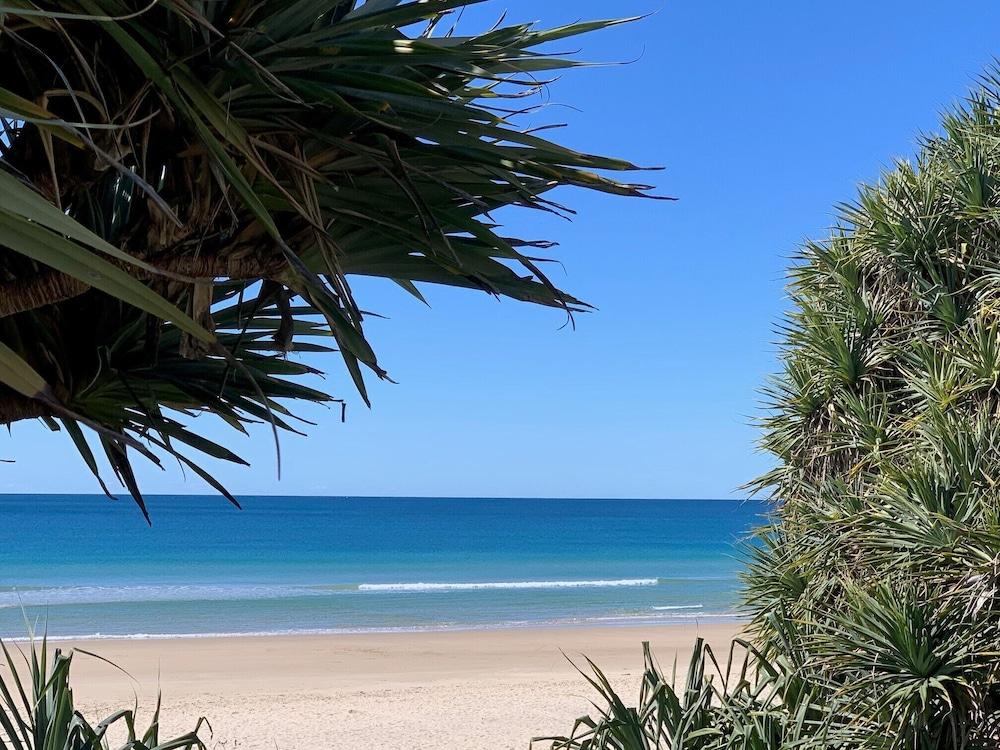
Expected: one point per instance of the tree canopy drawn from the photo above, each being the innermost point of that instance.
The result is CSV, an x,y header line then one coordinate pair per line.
x,y
880,582
188,188
874,591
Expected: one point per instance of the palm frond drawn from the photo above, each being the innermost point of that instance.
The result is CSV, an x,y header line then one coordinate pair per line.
x,y
186,203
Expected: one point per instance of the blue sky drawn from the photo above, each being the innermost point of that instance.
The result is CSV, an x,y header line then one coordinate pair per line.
x,y
765,116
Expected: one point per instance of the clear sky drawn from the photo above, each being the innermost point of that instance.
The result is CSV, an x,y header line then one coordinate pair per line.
x,y
765,116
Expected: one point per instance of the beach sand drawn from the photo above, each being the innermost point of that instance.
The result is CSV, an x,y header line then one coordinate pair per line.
x,y
467,690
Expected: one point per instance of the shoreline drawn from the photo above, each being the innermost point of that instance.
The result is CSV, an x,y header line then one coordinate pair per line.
x,y
639,622
468,689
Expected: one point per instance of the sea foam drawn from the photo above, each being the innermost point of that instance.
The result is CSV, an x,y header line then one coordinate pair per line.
x,y
473,586
73,595
671,607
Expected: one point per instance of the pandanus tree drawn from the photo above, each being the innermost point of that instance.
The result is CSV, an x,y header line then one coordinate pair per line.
x,y
874,593
189,187
883,573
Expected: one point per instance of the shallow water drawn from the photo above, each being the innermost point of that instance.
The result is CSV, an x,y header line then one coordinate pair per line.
x,y
87,566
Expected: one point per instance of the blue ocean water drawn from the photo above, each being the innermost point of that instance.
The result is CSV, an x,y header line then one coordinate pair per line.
x,y
88,566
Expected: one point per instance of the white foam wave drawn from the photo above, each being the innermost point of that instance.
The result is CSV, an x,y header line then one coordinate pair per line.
x,y
12,598
622,620
63,595
672,607
475,586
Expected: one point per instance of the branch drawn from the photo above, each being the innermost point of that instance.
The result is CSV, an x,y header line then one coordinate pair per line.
x,y
14,407
50,287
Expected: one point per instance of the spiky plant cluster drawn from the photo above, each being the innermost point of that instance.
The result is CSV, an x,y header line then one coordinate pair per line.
x,y
885,557
187,189
37,710
749,702
875,592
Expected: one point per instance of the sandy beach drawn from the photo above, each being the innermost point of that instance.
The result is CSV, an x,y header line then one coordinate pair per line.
x,y
475,690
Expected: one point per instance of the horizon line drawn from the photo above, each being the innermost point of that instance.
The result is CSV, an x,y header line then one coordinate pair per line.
x,y
4,494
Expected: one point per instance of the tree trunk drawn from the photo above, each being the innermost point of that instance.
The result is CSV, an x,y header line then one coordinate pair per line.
x,y
44,289
15,407
49,287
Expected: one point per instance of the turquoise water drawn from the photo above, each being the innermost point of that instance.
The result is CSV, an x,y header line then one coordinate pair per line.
x,y
88,566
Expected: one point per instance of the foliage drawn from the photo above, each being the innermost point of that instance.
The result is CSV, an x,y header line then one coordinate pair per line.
x,y
750,704
876,588
38,714
188,188
886,550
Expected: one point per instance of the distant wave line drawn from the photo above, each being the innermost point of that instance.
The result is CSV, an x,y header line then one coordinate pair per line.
x,y
31,596
608,620
672,607
81,595
481,585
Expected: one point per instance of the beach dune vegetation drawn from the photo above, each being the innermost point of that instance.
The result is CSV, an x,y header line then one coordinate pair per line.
x,y
747,702
37,711
876,587
886,548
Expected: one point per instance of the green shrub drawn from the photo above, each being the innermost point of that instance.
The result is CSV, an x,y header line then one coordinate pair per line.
x,y
750,703
886,548
37,713
876,589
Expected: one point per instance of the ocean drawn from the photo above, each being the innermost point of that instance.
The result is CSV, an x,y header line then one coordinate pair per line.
x,y
83,565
